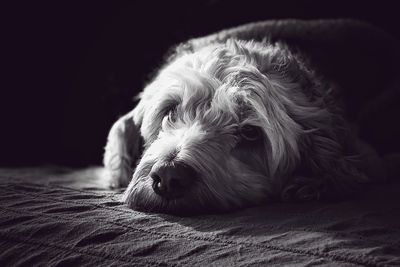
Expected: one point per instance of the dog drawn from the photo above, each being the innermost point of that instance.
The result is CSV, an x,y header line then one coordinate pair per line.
x,y
232,124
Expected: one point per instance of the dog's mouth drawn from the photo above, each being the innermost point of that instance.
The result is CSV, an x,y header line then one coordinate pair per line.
x,y
143,197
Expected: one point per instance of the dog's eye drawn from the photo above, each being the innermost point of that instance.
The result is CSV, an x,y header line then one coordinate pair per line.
x,y
172,114
250,133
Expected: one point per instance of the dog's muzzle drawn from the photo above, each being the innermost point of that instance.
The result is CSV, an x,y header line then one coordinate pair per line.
x,y
172,180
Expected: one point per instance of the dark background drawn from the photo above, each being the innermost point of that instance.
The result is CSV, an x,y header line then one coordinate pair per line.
x,y
71,68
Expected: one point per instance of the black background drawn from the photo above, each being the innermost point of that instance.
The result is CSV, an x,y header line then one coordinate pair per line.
x,y
71,68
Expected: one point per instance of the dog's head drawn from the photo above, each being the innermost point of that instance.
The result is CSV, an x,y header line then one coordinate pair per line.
x,y
221,127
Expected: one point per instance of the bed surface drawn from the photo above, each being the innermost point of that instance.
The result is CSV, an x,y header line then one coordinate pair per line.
x,y
62,217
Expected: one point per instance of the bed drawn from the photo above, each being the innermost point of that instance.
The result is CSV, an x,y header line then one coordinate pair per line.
x,y
57,216
63,217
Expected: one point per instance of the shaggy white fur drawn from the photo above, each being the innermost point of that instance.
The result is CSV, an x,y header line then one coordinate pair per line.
x,y
250,119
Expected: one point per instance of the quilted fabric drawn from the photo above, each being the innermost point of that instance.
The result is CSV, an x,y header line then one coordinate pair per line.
x,y
57,217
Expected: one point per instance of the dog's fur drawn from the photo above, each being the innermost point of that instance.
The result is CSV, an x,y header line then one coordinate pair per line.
x,y
197,111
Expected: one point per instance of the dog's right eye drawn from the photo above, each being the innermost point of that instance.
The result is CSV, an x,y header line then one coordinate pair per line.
x,y
172,114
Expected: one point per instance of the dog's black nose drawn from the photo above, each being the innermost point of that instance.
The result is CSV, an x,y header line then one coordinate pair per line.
x,y
171,181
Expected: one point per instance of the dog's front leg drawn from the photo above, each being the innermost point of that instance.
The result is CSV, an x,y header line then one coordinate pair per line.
x,y
121,151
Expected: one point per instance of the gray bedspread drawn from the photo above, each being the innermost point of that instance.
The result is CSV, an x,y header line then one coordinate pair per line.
x,y
61,217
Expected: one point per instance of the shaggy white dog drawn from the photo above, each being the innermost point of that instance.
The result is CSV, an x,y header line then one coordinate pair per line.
x,y
232,124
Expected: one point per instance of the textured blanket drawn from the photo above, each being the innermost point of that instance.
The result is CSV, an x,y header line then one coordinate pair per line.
x,y
57,217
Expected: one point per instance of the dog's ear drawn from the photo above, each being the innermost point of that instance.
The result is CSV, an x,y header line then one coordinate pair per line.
x,y
331,164
123,148
309,129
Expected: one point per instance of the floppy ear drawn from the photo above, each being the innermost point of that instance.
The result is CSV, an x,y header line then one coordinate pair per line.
x,y
312,130
331,164
122,150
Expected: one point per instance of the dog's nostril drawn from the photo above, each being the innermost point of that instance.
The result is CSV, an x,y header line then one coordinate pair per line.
x,y
157,185
156,178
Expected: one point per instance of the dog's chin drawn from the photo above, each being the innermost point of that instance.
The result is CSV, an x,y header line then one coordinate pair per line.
x,y
181,207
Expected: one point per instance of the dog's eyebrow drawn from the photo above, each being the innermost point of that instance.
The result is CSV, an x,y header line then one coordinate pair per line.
x,y
168,104
194,89
169,97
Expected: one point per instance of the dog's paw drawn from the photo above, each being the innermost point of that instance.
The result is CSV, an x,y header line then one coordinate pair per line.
x,y
121,151
118,173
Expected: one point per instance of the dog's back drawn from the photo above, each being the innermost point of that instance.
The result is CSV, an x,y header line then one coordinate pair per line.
x,y
360,58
